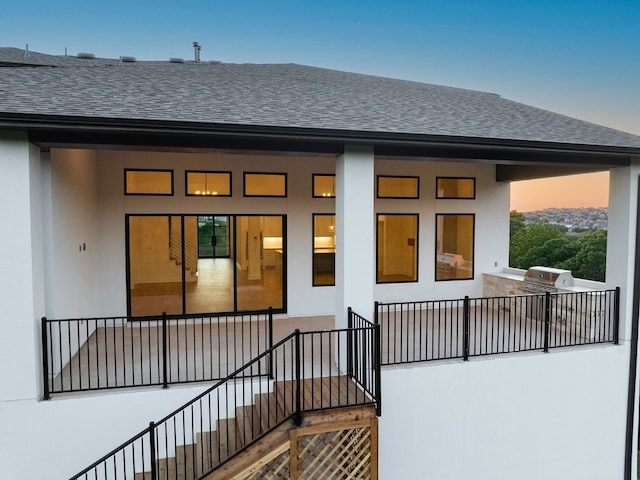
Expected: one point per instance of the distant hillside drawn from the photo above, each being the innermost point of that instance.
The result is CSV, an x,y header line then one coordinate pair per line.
x,y
574,219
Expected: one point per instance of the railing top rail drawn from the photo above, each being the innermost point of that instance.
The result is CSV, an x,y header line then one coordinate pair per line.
x,y
338,330
360,317
414,302
111,453
149,318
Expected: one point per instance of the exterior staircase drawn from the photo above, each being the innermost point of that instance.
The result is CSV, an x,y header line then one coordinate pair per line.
x,y
248,446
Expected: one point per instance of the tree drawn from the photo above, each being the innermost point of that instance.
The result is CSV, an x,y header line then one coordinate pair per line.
x,y
516,224
551,253
590,260
530,237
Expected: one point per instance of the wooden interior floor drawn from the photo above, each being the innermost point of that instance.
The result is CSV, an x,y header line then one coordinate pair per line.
x,y
211,290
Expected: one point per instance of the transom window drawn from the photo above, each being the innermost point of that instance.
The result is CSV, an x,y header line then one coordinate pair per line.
x,y
398,187
265,184
216,184
148,182
324,186
452,187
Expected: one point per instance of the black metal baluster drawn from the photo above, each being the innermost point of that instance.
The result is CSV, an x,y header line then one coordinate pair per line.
x,y
164,333
616,319
45,358
466,328
298,400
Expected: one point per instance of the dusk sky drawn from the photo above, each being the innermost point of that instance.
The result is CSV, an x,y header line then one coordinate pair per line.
x,y
580,57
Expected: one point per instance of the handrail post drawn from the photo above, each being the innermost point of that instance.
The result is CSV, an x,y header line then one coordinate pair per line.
x,y
375,312
616,314
165,379
152,449
298,415
349,342
270,333
378,374
547,320
466,328
45,359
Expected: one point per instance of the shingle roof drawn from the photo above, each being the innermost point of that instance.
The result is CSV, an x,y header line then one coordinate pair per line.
x,y
285,95
16,57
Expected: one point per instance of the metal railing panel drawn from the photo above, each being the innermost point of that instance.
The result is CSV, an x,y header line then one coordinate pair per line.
x,y
462,328
119,352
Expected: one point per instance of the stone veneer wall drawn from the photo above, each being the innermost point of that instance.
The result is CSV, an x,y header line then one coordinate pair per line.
x,y
498,286
587,315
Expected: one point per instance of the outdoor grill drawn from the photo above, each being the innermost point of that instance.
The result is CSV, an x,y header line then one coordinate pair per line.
x,y
546,279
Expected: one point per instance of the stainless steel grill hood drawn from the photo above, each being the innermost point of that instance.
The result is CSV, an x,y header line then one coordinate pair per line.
x,y
549,277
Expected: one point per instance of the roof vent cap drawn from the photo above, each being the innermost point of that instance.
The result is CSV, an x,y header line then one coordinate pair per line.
x,y
125,59
86,55
215,62
176,60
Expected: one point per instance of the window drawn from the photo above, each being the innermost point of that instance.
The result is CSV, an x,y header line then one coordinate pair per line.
x,y
265,184
324,249
450,187
398,187
324,186
397,252
216,184
454,246
148,182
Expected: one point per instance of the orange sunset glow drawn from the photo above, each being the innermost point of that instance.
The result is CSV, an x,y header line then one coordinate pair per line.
x,y
575,191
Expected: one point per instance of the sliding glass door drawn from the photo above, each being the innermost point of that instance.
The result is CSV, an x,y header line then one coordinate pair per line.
x,y
155,264
205,263
259,262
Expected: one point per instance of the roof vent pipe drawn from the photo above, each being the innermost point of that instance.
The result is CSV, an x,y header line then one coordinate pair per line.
x,y
196,51
26,50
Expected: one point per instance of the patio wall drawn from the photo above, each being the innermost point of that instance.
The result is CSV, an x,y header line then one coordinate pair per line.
x,y
525,416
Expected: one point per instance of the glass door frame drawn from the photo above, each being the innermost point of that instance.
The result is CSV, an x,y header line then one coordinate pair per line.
x,y
233,234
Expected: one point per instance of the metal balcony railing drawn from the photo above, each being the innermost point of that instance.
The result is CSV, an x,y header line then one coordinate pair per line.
x,y
467,327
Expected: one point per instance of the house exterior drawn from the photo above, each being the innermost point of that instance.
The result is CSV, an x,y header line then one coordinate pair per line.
x,y
335,189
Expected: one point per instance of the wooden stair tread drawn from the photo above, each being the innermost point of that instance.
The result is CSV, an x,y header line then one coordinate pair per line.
x,y
211,449
321,393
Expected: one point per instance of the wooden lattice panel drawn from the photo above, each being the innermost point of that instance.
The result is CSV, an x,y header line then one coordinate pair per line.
x,y
339,454
276,469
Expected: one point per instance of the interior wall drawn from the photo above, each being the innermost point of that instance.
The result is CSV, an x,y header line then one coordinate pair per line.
x,y
524,417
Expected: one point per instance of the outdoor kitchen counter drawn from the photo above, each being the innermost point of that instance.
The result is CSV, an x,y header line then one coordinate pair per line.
x,y
497,284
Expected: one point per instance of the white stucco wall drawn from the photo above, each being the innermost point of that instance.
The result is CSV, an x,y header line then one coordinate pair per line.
x,y
88,201
559,416
22,278
74,248
58,438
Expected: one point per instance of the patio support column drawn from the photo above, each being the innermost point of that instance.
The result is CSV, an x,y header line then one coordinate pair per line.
x,y
355,233
21,283
622,271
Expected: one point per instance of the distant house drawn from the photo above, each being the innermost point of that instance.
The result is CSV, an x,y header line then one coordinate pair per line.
x,y
132,188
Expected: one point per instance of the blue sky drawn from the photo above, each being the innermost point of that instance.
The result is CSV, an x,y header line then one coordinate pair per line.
x,y
580,58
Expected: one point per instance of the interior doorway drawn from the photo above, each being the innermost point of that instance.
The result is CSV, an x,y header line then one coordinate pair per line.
x,y
214,238
205,263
